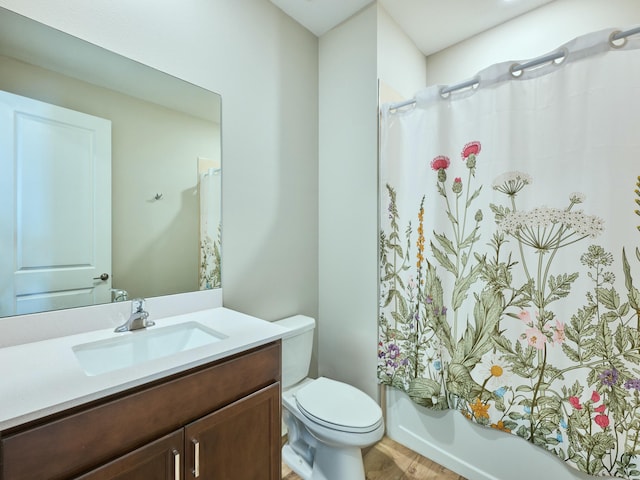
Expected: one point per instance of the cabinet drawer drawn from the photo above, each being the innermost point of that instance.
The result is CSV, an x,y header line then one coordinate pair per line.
x,y
159,460
73,444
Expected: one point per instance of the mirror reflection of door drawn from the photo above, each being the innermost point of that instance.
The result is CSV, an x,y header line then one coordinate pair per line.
x,y
55,207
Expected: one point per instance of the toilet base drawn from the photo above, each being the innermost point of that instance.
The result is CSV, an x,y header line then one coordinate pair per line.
x,y
296,463
329,463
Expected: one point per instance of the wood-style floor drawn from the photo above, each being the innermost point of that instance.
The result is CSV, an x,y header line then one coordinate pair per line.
x,y
388,460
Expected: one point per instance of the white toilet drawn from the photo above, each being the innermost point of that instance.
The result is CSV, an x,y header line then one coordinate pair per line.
x,y
328,422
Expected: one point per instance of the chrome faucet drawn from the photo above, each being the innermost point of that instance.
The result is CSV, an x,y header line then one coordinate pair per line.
x,y
138,318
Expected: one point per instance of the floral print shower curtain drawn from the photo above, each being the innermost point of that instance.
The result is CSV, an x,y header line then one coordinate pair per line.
x,y
210,271
508,253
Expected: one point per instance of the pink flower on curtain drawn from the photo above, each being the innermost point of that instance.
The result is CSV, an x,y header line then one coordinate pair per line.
x,y
595,397
602,420
575,403
535,338
558,334
600,409
525,316
440,162
457,185
471,148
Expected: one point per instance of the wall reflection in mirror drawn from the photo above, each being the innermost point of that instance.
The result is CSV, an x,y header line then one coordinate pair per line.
x,y
110,175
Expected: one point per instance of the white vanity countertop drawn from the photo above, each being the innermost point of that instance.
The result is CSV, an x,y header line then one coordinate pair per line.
x,y
41,378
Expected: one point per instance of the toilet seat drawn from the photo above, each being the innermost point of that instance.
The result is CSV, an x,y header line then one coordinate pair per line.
x,y
338,406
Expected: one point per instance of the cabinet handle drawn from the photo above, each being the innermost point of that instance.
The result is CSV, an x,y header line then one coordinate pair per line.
x,y
176,465
196,458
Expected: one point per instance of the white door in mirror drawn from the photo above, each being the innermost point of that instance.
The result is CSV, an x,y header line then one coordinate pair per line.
x,y
55,207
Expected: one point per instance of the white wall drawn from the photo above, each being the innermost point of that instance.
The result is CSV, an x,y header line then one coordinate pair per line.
x,y
401,65
265,66
476,452
348,175
368,46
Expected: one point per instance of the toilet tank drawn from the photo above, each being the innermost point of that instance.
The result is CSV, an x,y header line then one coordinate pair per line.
x,y
296,348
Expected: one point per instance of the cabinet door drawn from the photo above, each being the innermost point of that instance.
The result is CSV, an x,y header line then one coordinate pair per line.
x,y
159,460
239,441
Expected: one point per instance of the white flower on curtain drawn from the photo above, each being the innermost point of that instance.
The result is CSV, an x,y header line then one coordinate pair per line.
x,y
507,288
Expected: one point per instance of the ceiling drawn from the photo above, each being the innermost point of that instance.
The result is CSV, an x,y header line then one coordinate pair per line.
x,y
431,24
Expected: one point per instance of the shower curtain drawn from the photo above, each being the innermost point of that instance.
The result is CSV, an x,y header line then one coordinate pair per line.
x,y
508,252
210,258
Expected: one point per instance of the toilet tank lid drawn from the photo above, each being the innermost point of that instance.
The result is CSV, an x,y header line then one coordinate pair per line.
x,y
297,324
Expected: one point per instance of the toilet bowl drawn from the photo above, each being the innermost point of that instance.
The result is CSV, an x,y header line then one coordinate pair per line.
x,y
328,421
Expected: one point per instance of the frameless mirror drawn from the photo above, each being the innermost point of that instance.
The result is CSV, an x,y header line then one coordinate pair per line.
x,y
110,175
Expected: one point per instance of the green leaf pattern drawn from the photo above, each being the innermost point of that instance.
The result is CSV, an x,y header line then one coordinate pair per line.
x,y
458,332
210,272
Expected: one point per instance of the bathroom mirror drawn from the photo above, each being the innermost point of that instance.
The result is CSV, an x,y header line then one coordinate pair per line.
x,y
110,181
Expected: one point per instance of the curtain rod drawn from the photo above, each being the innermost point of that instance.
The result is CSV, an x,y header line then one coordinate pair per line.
x,y
552,57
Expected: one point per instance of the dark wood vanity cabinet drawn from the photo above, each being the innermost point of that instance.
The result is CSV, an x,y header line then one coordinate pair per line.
x,y
220,421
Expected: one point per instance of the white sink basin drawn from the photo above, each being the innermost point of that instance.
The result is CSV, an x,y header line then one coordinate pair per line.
x,y
133,348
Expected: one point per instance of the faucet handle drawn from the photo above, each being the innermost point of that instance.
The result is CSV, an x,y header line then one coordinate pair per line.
x,y
137,305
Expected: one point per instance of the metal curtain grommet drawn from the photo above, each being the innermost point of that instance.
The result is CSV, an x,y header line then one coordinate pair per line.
x,y
444,93
563,53
613,40
516,70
